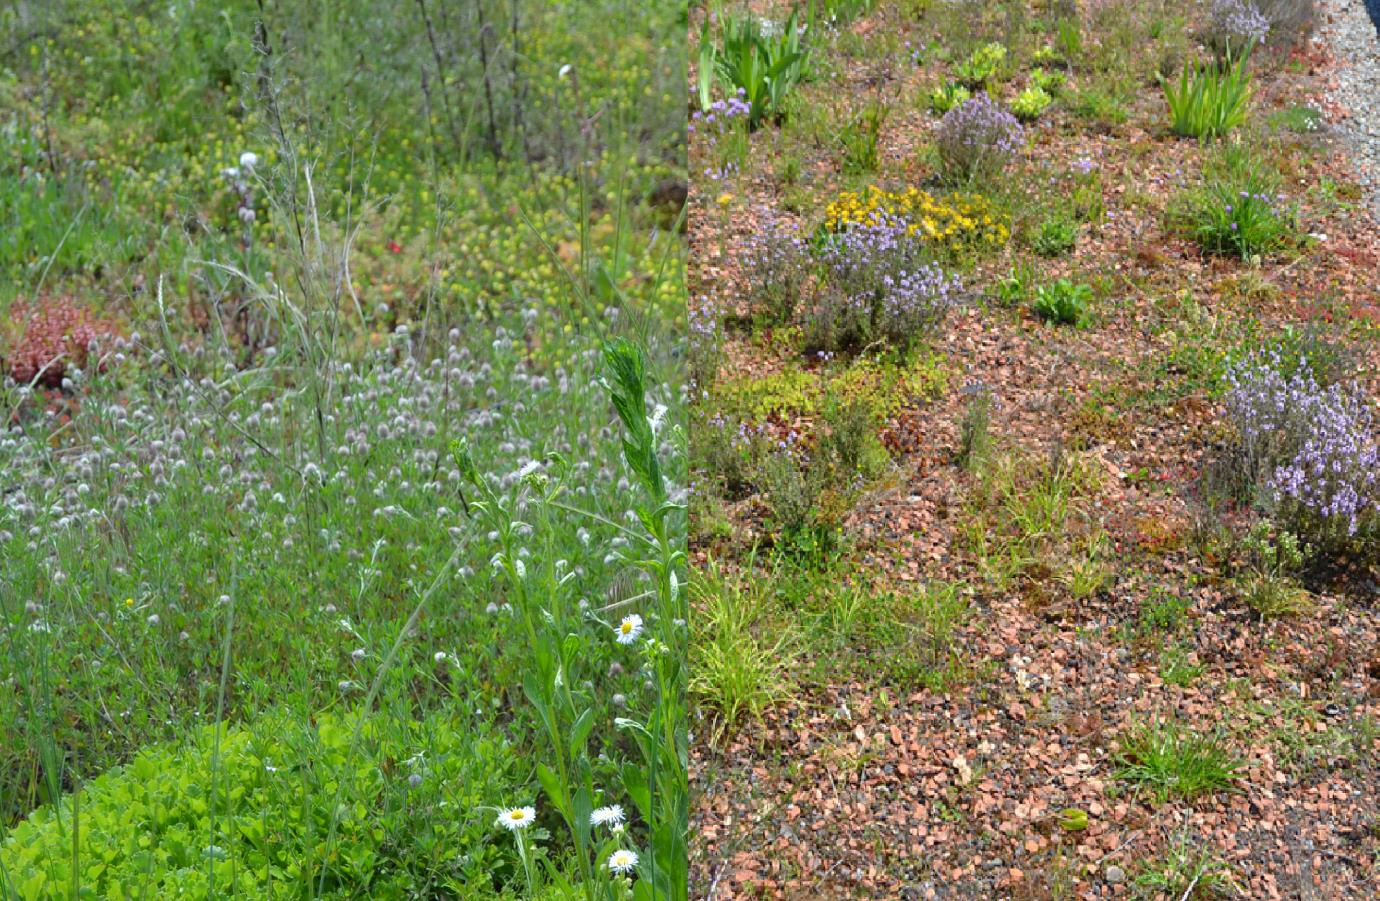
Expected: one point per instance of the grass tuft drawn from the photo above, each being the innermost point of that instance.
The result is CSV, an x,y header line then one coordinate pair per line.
x,y
1169,761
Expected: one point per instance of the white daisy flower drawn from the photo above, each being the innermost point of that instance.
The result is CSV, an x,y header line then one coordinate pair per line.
x,y
607,816
515,818
248,160
629,629
622,861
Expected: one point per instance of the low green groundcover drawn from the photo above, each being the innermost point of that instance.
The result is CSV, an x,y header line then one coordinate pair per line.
x,y
250,817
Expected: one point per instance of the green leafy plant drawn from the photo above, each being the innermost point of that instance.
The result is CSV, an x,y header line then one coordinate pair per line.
x,y
947,96
1207,102
1063,303
1052,82
1073,819
1031,103
244,810
707,70
1014,289
981,66
763,65
1046,55
1274,558
862,137
1057,235
1241,215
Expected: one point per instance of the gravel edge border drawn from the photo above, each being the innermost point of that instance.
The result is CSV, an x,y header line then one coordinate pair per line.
x,y
1346,29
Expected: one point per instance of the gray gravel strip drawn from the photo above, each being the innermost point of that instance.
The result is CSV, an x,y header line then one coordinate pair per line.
x,y
1346,28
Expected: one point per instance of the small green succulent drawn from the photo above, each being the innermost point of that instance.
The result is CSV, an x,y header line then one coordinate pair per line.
x,y
947,96
1030,103
982,65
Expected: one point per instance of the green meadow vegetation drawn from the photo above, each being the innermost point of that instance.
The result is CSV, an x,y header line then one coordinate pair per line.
x,y
342,525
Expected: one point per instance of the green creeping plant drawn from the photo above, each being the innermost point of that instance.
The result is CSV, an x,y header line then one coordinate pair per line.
x,y
245,810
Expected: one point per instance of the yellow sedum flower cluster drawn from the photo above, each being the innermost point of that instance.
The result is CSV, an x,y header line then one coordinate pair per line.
x,y
957,223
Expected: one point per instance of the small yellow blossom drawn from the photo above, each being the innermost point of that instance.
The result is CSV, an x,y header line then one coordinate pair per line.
x,y
956,223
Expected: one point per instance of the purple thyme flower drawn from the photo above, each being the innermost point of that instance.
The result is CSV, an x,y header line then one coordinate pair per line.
x,y
880,287
1314,447
977,136
1236,26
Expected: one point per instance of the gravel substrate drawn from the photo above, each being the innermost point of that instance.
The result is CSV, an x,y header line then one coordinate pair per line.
x,y
1347,30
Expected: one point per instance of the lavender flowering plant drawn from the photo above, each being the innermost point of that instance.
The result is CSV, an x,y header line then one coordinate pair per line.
x,y
1312,448
1241,222
705,350
1235,27
720,134
879,287
1239,210
777,266
722,116
977,137
725,453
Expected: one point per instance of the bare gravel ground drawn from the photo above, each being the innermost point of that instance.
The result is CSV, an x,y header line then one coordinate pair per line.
x,y
1353,93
